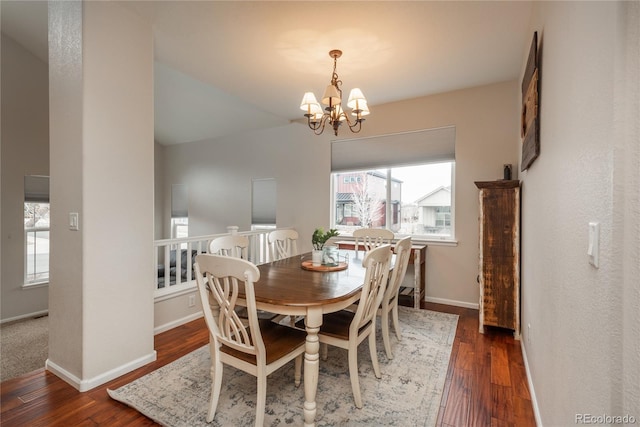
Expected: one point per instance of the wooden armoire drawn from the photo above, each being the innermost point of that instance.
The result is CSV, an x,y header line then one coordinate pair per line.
x,y
499,245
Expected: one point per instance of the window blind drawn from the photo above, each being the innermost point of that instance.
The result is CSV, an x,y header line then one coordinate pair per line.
x,y
179,201
263,201
423,146
36,189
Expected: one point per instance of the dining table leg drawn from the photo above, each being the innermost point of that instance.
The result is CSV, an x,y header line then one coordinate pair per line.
x,y
313,321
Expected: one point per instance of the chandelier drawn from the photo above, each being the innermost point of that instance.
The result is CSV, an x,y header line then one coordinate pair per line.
x,y
333,112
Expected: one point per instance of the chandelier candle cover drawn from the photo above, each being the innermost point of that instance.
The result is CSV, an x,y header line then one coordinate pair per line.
x,y
332,98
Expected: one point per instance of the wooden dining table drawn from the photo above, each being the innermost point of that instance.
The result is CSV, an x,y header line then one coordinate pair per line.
x,y
286,288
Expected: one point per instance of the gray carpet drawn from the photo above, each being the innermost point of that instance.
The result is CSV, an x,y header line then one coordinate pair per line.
x,y
24,346
408,394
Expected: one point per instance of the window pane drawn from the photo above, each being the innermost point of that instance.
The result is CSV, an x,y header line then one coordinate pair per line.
x,y
36,224
426,199
179,228
418,201
38,256
360,199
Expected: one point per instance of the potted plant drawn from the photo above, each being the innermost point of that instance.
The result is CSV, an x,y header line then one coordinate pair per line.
x,y
318,240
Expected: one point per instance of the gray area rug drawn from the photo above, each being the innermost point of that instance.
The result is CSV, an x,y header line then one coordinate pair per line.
x,y
24,346
408,394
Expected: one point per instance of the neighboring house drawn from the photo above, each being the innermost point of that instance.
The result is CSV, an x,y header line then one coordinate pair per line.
x,y
361,200
434,211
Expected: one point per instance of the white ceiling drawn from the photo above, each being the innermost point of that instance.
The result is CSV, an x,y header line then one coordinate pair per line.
x,y
229,66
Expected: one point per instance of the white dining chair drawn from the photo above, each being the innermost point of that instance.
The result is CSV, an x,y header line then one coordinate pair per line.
x,y
257,349
233,245
389,303
236,246
347,329
282,244
372,238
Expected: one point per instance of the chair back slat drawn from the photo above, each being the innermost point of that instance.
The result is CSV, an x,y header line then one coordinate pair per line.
x,y
221,279
283,244
231,328
233,246
376,263
403,252
371,238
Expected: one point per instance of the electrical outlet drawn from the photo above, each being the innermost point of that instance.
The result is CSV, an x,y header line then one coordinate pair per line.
x,y
192,300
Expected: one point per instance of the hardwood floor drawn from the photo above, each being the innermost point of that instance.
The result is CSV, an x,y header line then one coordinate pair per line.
x,y
486,383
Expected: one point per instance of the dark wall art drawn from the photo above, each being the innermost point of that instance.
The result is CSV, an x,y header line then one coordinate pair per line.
x,y
530,122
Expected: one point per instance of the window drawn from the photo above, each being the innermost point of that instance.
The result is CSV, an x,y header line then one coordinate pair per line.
x,y
179,228
36,229
179,211
418,201
402,182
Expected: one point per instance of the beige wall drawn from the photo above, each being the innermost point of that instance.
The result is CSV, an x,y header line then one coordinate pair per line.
x,y
486,120
25,151
583,344
218,174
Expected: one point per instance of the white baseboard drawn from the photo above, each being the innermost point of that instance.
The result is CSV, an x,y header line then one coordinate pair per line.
x,y
532,392
88,384
26,316
452,302
177,322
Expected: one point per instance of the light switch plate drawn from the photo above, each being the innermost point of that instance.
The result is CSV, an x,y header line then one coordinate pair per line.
x,y
73,221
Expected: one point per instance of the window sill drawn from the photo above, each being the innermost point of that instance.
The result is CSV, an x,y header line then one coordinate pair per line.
x,y
35,285
425,240
436,242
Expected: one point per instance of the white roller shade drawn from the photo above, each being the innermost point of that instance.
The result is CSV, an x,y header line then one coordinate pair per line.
x,y
424,146
179,201
263,201
36,189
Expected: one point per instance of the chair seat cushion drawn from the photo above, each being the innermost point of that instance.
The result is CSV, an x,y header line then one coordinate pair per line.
x,y
278,341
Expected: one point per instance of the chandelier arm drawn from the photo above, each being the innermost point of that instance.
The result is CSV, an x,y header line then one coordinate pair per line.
x,y
312,125
358,123
346,118
320,128
356,126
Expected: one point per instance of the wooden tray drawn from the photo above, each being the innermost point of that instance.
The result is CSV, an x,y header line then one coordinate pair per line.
x,y
308,265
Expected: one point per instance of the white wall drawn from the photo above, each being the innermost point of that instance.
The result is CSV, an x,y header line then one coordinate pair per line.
x,y
627,199
582,356
25,151
101,295
158,164
218,174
